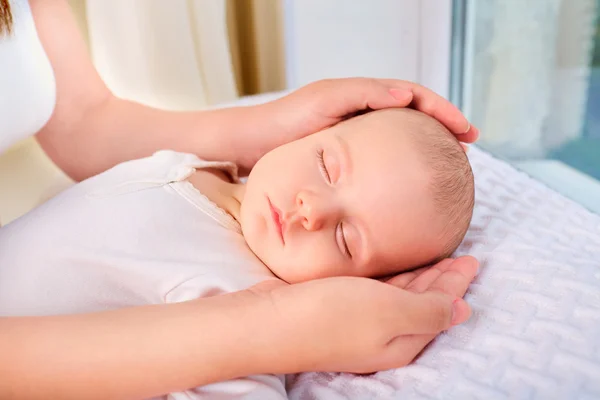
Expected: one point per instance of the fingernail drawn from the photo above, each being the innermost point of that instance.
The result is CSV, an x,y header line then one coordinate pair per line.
x,y
400,94
466,130
455,312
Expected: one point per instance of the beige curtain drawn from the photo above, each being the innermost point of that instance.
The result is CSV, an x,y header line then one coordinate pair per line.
x,y
185,54
256,36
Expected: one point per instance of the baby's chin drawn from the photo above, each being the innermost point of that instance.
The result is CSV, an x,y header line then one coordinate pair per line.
x,y
258,248
277,269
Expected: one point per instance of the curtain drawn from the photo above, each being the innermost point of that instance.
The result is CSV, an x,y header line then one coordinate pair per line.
x,y
185,54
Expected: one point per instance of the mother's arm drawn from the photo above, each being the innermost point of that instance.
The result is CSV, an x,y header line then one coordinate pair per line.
x,y
91,130
272,328
134,352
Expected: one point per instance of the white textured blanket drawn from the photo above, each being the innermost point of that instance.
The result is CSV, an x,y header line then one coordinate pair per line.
x,y
535,330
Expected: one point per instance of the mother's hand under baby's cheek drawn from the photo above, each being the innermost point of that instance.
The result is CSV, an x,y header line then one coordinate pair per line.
x,y
449,276
349,324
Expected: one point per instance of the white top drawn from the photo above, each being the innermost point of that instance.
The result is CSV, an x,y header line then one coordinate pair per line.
x,y
136,234
27,85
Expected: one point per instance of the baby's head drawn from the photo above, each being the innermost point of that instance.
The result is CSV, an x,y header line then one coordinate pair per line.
x,y
375,195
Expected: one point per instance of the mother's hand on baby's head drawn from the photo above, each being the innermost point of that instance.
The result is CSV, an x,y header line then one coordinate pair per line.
x,y
348,324
324,103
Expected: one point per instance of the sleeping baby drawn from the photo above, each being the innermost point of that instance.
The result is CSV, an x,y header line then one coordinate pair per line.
x,y
372,196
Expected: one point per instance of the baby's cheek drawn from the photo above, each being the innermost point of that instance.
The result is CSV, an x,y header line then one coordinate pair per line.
x,y
308,256
297,267
326,263
254,230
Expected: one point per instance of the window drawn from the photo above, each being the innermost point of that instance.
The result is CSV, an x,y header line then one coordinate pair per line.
x,y
528,75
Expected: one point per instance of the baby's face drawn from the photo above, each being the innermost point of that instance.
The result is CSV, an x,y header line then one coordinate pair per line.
x,y
351,200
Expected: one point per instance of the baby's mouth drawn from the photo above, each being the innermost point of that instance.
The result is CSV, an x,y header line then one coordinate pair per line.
x,y
277,220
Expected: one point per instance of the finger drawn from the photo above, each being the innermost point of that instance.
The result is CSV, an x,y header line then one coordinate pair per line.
x,y
377,96
385,93
427,278
434,105
356,94
405,348
447,113
430,312
404,279
457,278
448,278
465,265
471,136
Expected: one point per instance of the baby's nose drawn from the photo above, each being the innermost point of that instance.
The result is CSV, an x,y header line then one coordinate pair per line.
x,y
310,212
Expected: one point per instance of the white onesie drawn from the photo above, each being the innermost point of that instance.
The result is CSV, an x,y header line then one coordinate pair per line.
x,y
137,234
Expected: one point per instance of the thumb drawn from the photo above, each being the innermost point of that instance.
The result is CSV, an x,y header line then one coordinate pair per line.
x,y
403,96
375,97
359,94
432,312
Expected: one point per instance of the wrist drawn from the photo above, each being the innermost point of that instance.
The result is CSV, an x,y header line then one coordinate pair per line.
x,y
265,343
255,135
281,334
238,135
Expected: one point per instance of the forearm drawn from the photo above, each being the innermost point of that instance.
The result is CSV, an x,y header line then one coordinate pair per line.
x,y
131,353
119,130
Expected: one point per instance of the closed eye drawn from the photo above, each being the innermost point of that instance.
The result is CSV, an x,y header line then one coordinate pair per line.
x,y
322,165
342,240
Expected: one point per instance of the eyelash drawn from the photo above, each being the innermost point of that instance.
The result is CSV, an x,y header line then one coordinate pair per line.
x,y
324,171
346,250
322,166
